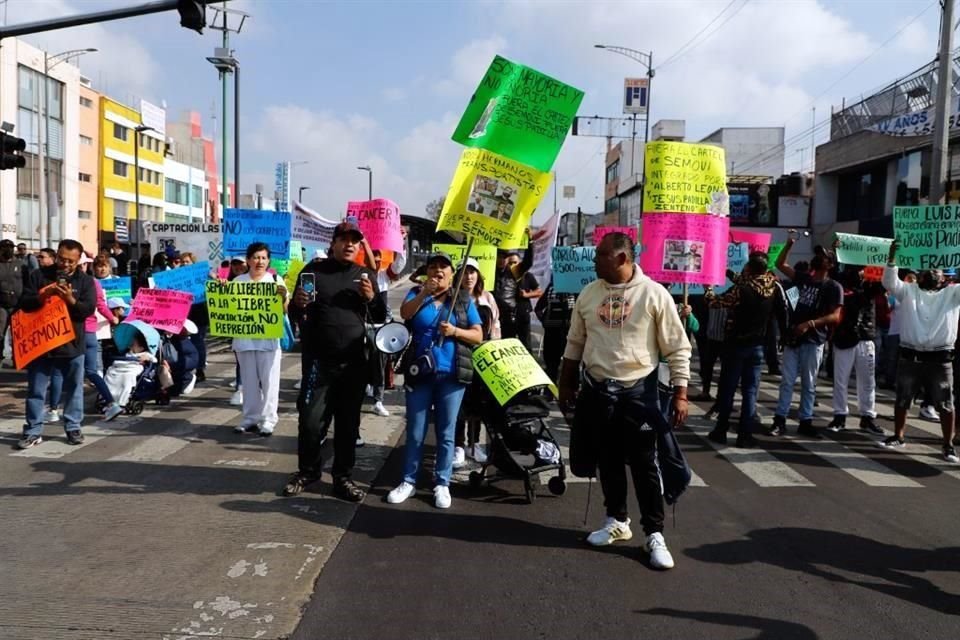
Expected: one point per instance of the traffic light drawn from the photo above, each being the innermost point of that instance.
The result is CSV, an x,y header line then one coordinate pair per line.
x,y
193,14
10,148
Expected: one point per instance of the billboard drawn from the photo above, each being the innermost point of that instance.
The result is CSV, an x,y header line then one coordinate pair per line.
x,y
153,116
636,94
281,186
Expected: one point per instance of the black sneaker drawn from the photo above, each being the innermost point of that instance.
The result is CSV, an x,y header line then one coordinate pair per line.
x,y
746,441
201,375
839,423
711,412
75,437
779,427
867,424
893,442
806,428
950,454
718,435
297,482
26,442
346,489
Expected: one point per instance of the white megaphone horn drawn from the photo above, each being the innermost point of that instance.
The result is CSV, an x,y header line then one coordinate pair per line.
x,y
392,338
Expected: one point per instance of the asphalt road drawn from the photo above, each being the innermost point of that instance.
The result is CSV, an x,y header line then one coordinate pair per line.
x,y
800,539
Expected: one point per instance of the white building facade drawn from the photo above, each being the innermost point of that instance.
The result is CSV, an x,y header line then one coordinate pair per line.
x,y
183,192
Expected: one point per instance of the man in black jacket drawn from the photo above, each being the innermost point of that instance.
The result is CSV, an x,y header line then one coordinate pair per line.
x,y
335,368
65,281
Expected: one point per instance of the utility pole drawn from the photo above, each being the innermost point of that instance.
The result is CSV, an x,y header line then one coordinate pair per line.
x,y
941,127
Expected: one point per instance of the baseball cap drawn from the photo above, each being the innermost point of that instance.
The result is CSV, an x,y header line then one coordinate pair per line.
x,y
349,225
117,303
471,262
319,254
440,255
238,259
190,326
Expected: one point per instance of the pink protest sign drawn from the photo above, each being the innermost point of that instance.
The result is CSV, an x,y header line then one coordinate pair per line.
x,y
600,232
757,241
682,248
380,223
223,273
162,309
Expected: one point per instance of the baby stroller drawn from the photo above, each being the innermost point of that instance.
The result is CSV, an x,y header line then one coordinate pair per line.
x,y
521,444
148,386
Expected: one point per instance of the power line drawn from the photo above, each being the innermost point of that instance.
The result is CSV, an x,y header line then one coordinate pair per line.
x,y
679,54
697,35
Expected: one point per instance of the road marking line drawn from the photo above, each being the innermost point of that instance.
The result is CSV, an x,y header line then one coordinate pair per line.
x,y
864,469
158,447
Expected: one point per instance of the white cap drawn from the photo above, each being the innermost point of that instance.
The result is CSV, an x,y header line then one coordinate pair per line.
x,y
320,254
471,262
190,327
117,303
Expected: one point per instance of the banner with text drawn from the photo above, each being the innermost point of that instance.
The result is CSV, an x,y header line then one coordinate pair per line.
x,y
243,227
929,236
311,229
245,309
685,178
600,232
862,250
191,279
203,239
507,368
379,222
484,254
573,268
544,240
519,113
757,241
120,287
682,248
35,333
492,198
161,309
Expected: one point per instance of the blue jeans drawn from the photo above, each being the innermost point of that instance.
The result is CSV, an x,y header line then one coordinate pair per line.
x,y
804,360
199,340
90,367
444,394
39,373
743,365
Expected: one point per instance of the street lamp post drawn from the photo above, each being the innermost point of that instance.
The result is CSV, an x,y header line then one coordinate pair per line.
x,y
136,190
369,180
49,62
226,63
646,59
300,193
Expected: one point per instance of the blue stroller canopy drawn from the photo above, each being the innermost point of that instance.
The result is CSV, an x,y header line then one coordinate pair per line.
x,y
125,331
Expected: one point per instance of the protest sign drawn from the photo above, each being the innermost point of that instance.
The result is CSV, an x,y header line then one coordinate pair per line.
x,y
223,273
756,241
929,236
492,198
793,296
484,254
190,278
507,368
161,309
120,287
243,227
379,222
312,230
573,268
600,232
290,279
296,250
202,239
873,273
245,309
773,253
544,240
685,178
519,113
280,266
862,250
737,255
684,248
38,332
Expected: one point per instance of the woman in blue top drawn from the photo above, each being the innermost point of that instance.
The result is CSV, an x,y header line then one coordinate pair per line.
x,y
426,309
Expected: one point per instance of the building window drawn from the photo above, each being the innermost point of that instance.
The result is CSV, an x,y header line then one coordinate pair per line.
x,y
612,205
86,102
613,172
87,141
120,168
120,132
196,199
84,215
84,177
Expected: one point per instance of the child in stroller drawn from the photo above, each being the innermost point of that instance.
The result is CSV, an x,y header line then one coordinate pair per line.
x,y
521,444
132,376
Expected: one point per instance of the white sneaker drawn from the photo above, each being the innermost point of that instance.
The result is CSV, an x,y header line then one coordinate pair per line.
x,y
612,531
929,413
297,384
660,557
459,457
403,491
188,388
112,411
236,399
51,415
478,453
380,410
441,497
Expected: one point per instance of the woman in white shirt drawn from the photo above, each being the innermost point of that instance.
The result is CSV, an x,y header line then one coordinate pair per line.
x,y
259,358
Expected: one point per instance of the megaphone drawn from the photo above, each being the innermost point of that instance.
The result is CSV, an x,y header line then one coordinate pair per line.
x,y
392,338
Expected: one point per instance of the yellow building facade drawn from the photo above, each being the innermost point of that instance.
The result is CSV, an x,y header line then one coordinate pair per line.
x,y
118,208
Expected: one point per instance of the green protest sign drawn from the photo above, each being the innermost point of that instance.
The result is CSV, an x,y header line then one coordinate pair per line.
x,y
773,253
519,113
929,236
862,250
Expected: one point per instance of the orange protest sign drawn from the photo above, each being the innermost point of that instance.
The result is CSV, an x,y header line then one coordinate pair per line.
x,y
873,273
38,332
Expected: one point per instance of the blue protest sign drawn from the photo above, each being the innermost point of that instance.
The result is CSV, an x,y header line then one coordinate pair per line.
x,y
243,227
190,279
117,288
573,268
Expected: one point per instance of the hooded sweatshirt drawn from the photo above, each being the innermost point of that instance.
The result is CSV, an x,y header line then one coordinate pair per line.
x,y
620,332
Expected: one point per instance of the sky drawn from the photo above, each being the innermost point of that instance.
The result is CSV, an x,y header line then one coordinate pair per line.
x,y
344,84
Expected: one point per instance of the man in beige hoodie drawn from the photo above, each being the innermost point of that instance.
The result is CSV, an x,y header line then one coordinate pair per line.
x,y
622,325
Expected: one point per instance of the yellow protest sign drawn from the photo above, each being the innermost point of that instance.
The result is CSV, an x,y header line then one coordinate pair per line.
x,y
507,368
290,280
244,309
484,254
685,178
492,198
